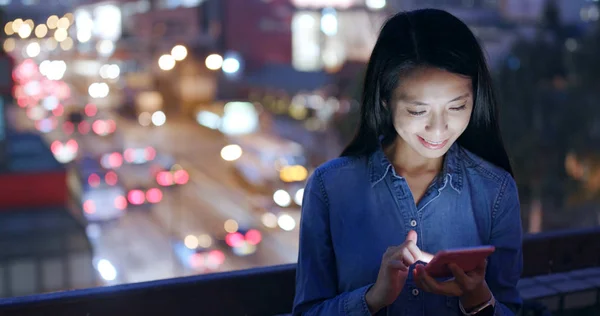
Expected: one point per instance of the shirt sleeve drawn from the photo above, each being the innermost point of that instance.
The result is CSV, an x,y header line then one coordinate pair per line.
x,y
316,274
506,263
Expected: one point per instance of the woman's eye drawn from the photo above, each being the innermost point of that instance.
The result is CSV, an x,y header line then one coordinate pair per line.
x,y
416,113
462,107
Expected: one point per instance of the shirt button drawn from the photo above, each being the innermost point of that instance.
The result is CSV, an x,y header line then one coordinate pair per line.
x,y
415,292
413,223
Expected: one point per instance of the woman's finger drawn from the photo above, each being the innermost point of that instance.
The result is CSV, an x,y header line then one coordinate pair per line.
x,y
411,246
459,275
397,265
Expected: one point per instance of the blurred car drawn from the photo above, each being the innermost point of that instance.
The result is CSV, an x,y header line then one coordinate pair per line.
x,y
241,240
138,196
140,187
112,160
168,173
198,252
270,165
139,155
273,217
96,190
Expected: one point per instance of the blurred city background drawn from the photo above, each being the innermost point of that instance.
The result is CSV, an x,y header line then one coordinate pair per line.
x,y
185,129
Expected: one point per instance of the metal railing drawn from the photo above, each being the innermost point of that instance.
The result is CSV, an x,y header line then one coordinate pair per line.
x,y
270,290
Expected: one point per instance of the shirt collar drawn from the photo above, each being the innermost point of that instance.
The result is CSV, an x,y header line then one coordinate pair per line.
x,y
379,166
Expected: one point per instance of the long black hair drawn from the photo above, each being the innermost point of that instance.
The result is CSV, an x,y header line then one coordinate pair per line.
x,y
427,38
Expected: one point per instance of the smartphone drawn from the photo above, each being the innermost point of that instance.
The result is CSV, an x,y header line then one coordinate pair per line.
x,y
466,258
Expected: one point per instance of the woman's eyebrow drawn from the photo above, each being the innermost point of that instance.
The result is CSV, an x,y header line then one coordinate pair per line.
x,y
407,99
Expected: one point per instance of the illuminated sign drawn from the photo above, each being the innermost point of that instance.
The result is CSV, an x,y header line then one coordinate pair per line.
x,y
341,4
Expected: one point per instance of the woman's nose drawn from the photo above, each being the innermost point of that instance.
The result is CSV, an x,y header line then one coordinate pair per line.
x,y
438,124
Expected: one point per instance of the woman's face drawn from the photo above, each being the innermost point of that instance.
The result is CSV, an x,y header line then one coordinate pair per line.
x,y
432,108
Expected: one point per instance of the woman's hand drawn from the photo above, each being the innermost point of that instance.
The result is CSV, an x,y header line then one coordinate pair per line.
x,y
393,272
470,287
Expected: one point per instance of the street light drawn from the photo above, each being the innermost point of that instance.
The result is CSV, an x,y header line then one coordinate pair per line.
x,y
231,65
179,52
166,62
214,62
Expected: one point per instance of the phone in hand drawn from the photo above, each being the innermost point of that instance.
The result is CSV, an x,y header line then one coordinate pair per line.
x,y
466,258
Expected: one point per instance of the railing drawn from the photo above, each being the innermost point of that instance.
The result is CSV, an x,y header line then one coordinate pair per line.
x,y
270,290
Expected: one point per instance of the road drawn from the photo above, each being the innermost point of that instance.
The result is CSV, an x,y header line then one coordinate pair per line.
x,y
139,244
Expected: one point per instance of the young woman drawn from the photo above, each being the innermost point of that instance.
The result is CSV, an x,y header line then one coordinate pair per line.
x,y
427,171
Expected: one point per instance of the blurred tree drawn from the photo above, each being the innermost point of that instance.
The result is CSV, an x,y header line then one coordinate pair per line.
x,y
586,87
532,85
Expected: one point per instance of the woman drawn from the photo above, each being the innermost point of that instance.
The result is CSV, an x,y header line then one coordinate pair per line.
x,y
427,171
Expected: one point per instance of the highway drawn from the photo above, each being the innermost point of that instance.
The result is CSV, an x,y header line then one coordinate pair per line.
x,y
140,243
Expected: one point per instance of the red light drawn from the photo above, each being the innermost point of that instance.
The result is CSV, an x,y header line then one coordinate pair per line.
x,y
111,178
68,128
128,154
196,260
111,126
90,110
234,239
89,207
253,237
84,127
55,146
181,177
94,180
216,257
120,202
115,160
59,110
164,178
136,197
72,145
22,102
150,153
99,127
154,195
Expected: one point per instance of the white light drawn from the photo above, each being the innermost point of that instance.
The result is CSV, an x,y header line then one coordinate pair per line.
x,y
269,220
33,49
166,62
208,119
105,48
231,152
50,103
375,4
298,196
231,65
108,71
286,222
191,242
107,270
44,67
98,90
239,118
54,70
179,52
159,118
107,22
83,36
25,30
214,62
329,23
282,198
323,3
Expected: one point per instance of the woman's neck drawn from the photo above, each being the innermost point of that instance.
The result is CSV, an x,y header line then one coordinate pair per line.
x,y
408,162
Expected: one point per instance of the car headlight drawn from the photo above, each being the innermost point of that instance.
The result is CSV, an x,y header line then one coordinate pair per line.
x,y
282,198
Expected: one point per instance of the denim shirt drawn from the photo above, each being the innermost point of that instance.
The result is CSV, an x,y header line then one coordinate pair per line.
x,y
355,208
